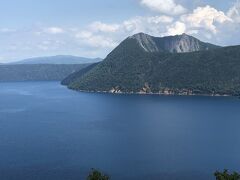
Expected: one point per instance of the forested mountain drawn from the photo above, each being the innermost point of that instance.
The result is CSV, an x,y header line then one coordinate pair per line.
x,y
138,66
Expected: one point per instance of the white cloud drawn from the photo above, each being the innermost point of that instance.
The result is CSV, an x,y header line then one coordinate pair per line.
x,y
102,27
94,40
160,19
99,38
50,44
54,30
176,29
154,25
83,34
192,32
103,35
234,12
205,18
7,30
164,6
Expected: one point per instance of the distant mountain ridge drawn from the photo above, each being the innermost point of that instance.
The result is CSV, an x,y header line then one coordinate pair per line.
x,y
169,65
52,68
38,72
59,59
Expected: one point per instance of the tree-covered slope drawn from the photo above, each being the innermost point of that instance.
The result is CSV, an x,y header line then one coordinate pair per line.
x,y
37,72
130,68
78,74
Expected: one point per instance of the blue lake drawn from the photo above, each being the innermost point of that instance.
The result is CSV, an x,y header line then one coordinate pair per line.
x,y
48,132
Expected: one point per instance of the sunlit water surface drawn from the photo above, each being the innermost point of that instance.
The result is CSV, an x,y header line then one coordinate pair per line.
x,y
48,132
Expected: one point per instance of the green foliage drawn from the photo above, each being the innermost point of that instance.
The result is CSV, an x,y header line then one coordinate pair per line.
x,y
38,72
129,68
97,175
74,76
226,176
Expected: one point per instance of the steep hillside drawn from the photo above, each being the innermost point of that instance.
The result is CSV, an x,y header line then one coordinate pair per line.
x,y
78,74
133,69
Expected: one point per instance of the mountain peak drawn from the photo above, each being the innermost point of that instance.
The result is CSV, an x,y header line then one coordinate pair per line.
x,y
141,34
184,34
174,44
146,42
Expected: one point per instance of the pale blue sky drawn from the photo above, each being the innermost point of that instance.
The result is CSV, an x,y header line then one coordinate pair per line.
x,y
92,28
17,13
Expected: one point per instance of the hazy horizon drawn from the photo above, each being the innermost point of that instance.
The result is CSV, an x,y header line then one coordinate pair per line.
x,y
92,29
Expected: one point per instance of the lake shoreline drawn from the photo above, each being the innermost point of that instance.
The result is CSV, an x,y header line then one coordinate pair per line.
x,y
157,94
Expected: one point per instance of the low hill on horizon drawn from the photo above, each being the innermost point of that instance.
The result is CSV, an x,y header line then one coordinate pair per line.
x,y
44,68
38,72
59,59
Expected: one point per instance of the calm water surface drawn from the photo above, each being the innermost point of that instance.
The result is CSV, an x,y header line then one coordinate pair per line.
x,y
48,132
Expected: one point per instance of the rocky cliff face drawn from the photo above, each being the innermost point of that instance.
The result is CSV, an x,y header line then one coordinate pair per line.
x,y
174,44
146,42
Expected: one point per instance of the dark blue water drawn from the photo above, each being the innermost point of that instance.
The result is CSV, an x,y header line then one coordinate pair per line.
x,y
48,132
